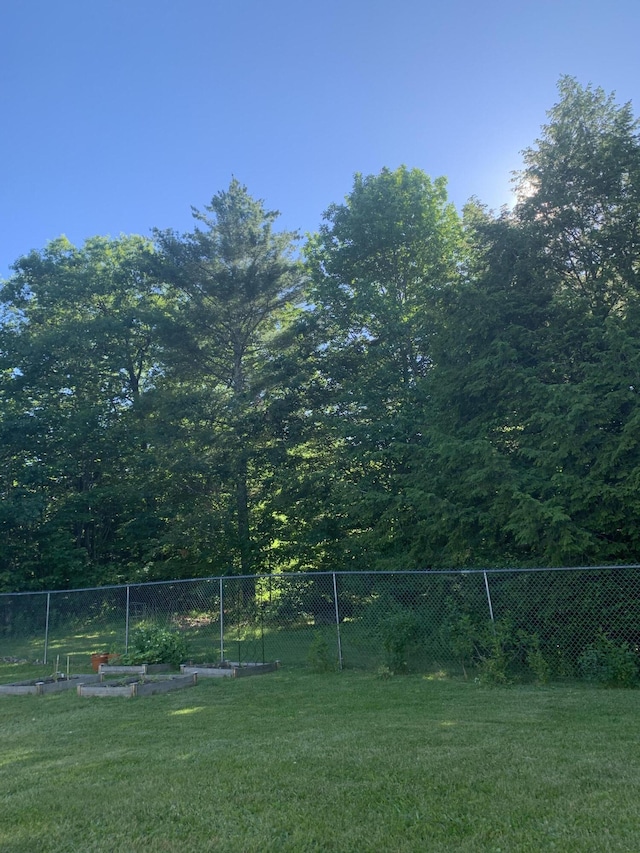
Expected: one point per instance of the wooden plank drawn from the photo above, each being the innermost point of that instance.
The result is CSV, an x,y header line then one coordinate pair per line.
x,y
133,669
233,671
40,688
139,688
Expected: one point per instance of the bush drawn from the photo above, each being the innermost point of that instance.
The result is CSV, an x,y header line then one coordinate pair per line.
x,y
501,652
398,631
151,643
536,661
497,655
609,663
465,637
319,656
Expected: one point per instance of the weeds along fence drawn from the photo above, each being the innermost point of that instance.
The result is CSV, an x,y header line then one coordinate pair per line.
x,y
537,621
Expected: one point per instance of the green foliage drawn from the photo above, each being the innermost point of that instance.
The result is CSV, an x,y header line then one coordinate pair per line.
x,y
496,655
319,656
425,392
76,363
378,268
384,672
463,636
498,651
399,631
152,643
609,663
234,286
536,660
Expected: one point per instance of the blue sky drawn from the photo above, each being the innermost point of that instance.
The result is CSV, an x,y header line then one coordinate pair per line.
x,y
118,115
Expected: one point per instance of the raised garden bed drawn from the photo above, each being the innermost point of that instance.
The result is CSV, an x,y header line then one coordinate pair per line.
x,y
138,687
131,669
229,669
39,687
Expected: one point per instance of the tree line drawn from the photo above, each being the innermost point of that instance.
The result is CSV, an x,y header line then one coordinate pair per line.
x,y
410,387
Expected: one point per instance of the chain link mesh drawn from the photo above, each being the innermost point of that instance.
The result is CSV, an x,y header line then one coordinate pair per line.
x,y
453,621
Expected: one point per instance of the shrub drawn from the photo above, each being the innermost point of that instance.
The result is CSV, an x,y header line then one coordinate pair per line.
x,y
319,656
384,673
151,643
609,663
497,655
536,661
398,631
465,638
501,652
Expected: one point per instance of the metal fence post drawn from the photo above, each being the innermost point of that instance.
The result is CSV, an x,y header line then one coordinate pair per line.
x,y
335,601
221,624
46,627
486,586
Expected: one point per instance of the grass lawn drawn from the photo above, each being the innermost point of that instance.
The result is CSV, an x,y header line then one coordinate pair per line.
x,y
294,761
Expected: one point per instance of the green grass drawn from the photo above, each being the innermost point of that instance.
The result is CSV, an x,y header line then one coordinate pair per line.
x,y
288,644
361,648
294,761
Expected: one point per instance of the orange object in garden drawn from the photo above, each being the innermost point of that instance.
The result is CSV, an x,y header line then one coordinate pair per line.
x,y
97,659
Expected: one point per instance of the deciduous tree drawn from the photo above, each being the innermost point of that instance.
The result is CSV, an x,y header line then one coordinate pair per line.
x,y
380,267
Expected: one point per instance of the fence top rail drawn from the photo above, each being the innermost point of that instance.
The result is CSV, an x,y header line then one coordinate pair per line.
x,y
292,575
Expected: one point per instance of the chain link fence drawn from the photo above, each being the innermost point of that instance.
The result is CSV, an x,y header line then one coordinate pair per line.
x,y
537,624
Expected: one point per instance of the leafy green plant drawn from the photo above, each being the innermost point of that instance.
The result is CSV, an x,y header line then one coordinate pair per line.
x,y
495,659
152,643
536,660
502,653
383,672
609,663
399,631
319,656
464,637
